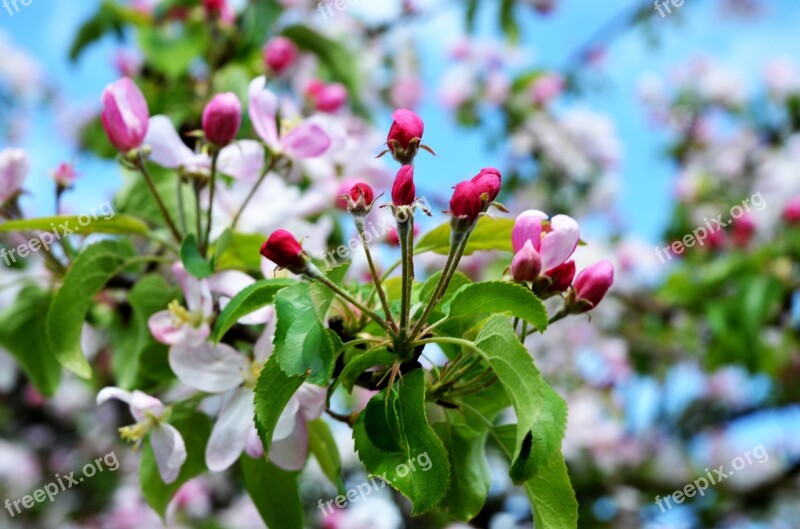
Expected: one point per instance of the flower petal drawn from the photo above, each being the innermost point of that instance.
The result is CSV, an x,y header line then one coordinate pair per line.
x,y
528,227
162,327
167,149
111,392
560,242
307,140
290,452
254,446
243,160
312,400
230,434
229,283
263,110
170,451
207,367
287,422
143,405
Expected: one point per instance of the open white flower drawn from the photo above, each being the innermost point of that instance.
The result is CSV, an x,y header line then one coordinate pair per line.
x,y
151,417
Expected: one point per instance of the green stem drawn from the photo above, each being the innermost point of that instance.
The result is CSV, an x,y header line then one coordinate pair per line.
x,y
181,206
335,288
212,190
457,247
404,232
198,212
142,166
359,221
253,191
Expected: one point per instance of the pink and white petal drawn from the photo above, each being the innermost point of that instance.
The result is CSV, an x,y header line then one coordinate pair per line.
x,y
170,451
288,420
111,392
243,160
207,367
560,243
263,110
307,140
528,227
229,283
143,404
254,446
195,291
229,436
195,336
162,327
290,453
312,400
167,149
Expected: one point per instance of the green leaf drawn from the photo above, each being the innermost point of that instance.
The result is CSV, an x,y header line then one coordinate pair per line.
x,y
378,356
222,244
22,333
382,423
489,234
470,476
428,483
91,270
497,296
273,392
256,296
274,492
119,224
150,294
456,282
508,22
242,253
193,261
171,49
303,343
322,444
550,491
195,429
541,412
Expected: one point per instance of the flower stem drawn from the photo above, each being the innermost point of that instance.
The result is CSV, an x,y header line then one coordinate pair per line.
x,y
404,230
458,244
212,190
253,191
319,276
140,163
359,221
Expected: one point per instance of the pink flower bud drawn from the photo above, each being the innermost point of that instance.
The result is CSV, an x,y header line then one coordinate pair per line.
x,y
280,53
222,118
488,181
362,190
592,284
546,88
331,97
64,175
283,249
14,166
405,135
526,264
791,213
466,202
561,277
404,192
744,228
125,114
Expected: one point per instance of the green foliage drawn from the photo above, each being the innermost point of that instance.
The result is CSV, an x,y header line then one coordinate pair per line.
x,y
424,488
274,492
541,412
489,234
193,260
470,477
195,428
497,297
322,444
550,491
116,225
256,296
22,333
273,392
171,50
91,270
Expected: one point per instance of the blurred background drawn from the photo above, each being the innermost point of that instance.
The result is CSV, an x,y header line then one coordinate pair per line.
x,y
640,121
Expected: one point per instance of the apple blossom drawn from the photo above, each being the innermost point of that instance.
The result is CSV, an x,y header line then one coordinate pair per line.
x,y
222,118
125,115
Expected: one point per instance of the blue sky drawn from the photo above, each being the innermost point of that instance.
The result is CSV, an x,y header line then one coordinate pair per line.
x,y
46,28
